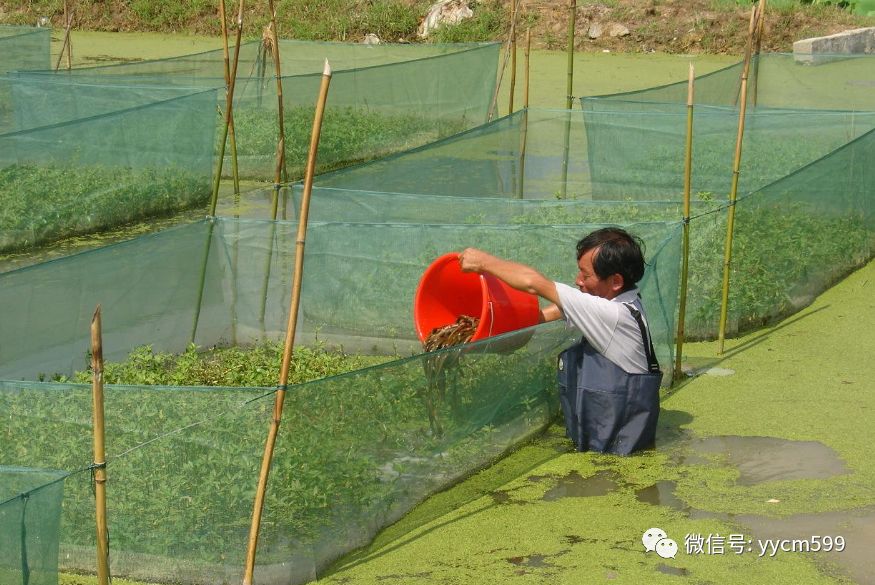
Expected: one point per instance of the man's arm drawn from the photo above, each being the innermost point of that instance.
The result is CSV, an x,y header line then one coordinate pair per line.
x,y
514,274
551,313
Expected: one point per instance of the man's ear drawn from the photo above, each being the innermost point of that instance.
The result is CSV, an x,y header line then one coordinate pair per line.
x,y
616,282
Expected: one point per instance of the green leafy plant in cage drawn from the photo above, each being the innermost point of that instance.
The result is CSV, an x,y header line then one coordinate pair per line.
x,y
42,203
349,135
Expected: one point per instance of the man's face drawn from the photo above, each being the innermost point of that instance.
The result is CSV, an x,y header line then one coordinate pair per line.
x,y
589,282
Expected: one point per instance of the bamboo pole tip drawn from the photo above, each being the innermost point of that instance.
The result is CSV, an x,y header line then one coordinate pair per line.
x,y
96,313
327,70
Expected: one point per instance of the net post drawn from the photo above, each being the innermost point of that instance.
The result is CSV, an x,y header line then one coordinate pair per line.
x,y
685,260
99,463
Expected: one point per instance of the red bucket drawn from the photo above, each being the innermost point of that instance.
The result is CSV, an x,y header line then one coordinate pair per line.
x,y
445,292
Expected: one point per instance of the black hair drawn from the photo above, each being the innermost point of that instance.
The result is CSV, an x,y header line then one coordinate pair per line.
x,y
619,252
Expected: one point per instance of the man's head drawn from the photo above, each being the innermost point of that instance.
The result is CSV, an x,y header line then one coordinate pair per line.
x,y
611,261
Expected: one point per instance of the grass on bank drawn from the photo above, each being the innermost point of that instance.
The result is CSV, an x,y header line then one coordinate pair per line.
x,y
674,27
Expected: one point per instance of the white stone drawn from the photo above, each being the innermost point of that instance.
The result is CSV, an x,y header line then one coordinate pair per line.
x,y
618,30
371,39
444,12
595,30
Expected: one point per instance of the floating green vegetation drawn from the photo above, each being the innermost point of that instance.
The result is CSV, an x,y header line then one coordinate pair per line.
x,y
43,203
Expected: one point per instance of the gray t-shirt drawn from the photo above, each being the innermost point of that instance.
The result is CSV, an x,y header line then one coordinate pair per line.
x,y
607,325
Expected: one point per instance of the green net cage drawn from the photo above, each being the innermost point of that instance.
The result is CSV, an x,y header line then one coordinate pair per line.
x,y
30,516
628,167
384,98
825,81
357,451
24,47
46,100
20,48
88,174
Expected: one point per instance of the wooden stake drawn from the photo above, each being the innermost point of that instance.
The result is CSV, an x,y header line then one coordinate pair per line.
x,y
688,179
290,329
733,192
759,38
279,171
228,114
526,65
521,193
99,449
231,134
215,196
68,43
494,103
572,24
512,55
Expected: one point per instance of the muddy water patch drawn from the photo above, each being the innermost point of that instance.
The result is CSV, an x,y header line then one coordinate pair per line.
x,y
575,486
792,535
530,561
667,570
662,493
763,459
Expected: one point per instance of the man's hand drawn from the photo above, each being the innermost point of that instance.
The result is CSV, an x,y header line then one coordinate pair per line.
x,y
474,260
514,274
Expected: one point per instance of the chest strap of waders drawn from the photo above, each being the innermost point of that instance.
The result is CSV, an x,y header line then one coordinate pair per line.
x,y
652,364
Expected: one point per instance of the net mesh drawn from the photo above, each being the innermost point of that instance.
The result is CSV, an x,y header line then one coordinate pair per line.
x,y
30,514
84,175
24,47
356,452
384,98
777,80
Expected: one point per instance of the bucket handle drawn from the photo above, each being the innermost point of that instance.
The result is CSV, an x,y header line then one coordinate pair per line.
x,y
491,318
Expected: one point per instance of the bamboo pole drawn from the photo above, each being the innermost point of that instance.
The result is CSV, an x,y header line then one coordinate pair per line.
x,y
525,122
493,105
572,24
759,38
68,43
733,192
99,448
228,112
527,67
514,7
685,262
279,171
231,134
290,329
215,196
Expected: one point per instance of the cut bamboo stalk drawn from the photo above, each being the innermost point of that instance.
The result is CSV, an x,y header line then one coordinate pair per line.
x,y
733,192
99,465
514,8
572,24
685,262
231,134
290,329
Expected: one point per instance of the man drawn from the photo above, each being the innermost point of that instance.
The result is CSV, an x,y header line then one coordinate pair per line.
x,y
609,382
